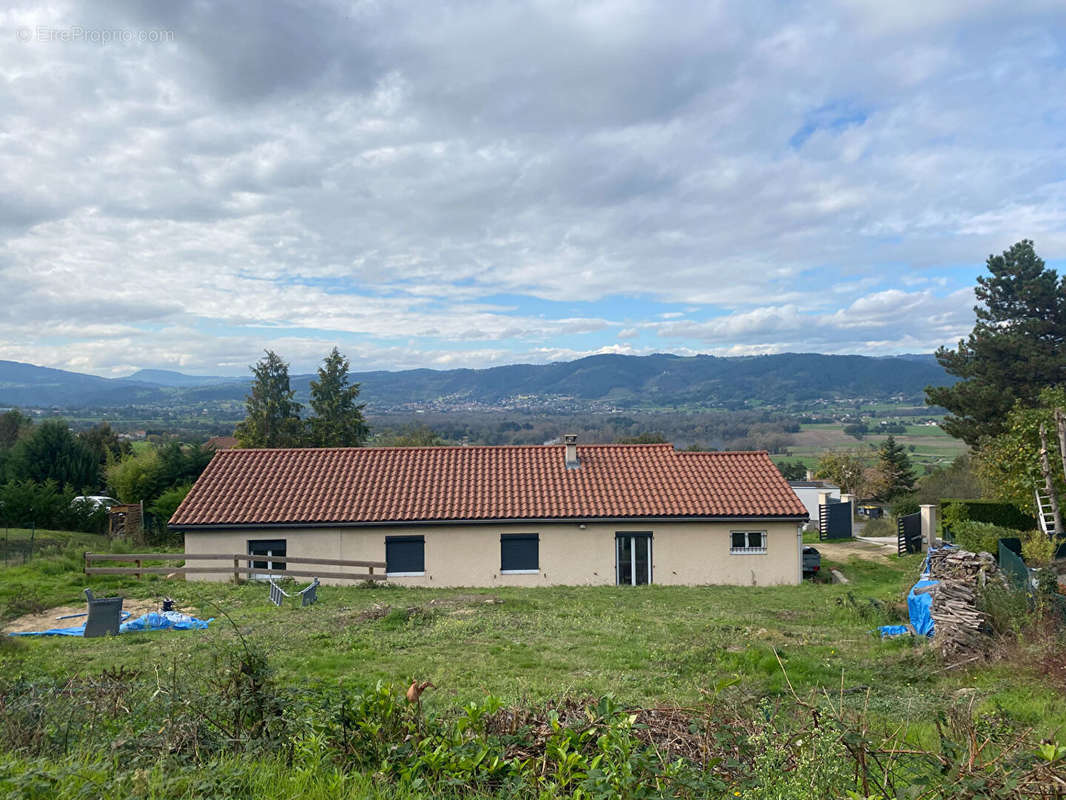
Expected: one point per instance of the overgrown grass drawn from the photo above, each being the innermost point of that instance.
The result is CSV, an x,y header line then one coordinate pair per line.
x,y
646,646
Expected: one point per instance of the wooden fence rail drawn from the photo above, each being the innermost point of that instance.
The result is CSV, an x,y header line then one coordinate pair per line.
x,y
237,569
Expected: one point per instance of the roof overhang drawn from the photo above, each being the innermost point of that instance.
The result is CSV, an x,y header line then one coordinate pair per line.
x,y
505,521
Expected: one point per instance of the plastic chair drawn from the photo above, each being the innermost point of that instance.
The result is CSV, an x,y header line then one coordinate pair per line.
x,y
308,594
105,615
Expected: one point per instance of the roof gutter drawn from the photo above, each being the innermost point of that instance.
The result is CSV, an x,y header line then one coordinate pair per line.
x,y
504,521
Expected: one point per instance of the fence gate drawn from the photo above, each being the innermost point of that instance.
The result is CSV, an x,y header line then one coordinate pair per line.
x,y
909,534
834,521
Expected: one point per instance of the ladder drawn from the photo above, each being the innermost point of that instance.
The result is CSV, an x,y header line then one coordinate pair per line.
x,y
1045,513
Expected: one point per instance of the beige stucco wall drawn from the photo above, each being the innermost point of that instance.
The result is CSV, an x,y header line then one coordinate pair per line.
x,y
690,553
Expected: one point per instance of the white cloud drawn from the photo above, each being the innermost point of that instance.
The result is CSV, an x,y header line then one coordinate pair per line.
x,y
376,174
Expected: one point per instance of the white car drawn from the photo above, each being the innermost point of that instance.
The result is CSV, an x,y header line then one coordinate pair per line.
x,y
95,500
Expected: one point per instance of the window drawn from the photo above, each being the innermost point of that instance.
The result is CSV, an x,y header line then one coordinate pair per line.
x,y
267,548
405,555
519,553
743,542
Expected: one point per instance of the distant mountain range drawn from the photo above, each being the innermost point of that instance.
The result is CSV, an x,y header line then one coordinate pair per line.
x,y
604,381
166,377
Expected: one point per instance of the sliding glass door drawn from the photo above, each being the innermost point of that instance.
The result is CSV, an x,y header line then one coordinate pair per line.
x,y
632,558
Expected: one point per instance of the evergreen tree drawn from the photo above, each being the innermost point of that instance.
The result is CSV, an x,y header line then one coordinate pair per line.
x,y
1016,348
52,452
896,470
338,419
103,440
273,416
13,425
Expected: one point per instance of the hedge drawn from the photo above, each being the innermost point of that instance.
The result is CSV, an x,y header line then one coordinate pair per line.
x,y
1004,515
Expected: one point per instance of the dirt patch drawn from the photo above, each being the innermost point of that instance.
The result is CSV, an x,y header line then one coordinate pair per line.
x,y
376,611
842,551
464,600
46,620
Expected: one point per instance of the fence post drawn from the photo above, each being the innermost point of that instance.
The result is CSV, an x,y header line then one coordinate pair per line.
x,y
85,555
138,575
236,568
849,499
928,513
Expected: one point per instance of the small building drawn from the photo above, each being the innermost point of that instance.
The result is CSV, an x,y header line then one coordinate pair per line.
x,y
505,516
811,492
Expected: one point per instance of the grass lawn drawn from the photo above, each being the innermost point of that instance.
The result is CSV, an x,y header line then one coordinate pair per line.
x,y
21,545
200,714
648,645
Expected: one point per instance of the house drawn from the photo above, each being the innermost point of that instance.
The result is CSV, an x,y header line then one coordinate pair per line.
x,y
505,516
221,443
811,493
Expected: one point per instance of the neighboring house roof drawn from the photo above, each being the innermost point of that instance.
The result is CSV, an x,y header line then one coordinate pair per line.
x,y
813,485
222,442
424,484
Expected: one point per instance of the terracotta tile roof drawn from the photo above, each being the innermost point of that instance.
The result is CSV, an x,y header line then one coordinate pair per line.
x,y
411,484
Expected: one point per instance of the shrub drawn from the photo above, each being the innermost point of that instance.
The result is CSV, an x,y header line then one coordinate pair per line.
x,y
1007,608
1005,515
1038,549
904,505
880,527
980,537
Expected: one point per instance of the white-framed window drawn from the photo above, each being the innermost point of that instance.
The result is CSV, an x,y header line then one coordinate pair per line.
x,y
265,548
747,542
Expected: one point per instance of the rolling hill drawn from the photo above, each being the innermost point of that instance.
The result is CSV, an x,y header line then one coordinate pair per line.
x,y
660,380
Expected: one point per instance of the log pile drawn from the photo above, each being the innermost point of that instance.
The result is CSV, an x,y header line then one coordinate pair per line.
x,y
960,629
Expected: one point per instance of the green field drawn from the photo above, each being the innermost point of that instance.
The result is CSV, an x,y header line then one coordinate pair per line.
x,y
932,446
652,646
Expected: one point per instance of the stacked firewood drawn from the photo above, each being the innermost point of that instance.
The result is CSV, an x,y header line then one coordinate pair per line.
x,y
960,629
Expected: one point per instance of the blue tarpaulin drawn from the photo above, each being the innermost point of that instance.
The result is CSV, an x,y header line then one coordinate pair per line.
x,y
919,604
152,621
920,607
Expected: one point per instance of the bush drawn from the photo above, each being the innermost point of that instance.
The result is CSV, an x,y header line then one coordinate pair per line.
x,y
1038,549
903,506
980,537
48,506
1005,515
880,527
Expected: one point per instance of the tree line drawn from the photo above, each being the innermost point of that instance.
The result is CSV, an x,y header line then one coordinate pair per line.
x,y
45,466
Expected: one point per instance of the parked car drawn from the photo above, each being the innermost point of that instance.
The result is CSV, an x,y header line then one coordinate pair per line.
x,y
812,561
95,500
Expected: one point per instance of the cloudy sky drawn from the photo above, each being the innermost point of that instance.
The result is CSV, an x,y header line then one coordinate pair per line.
x,y
183,184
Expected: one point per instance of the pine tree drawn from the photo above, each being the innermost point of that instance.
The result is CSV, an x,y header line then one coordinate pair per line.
x,y
338,420
1016,348
273,416
52,452
895,467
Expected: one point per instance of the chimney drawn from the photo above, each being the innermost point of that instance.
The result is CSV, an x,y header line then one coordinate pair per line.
x,y
570,440
810,474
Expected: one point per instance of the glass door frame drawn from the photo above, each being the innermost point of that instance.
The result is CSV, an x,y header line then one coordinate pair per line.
x,y
633,537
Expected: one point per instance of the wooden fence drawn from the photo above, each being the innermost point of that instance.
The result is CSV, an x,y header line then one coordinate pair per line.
x,y
236,570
